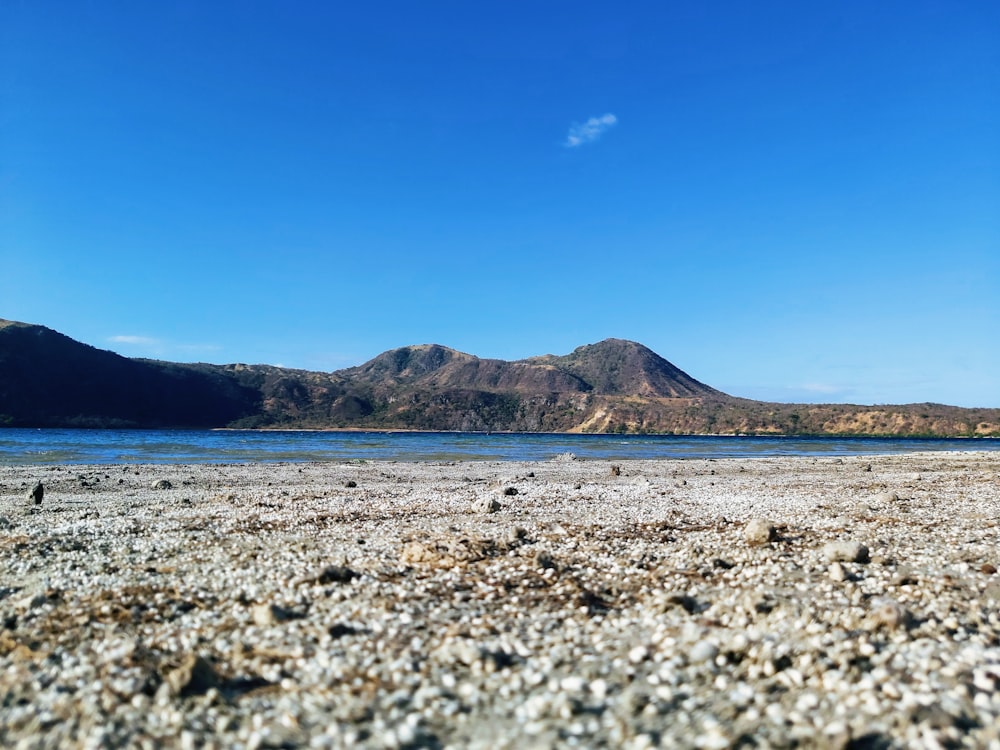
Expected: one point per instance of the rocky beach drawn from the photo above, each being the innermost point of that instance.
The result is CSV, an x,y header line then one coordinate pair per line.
x,y
756,602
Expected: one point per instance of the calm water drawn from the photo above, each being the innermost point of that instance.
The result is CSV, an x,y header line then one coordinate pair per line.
x,y
50,446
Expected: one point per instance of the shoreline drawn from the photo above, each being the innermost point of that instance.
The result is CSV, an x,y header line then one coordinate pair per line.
x,y
504,603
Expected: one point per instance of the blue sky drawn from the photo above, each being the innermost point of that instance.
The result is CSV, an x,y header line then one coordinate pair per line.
x,y
790,201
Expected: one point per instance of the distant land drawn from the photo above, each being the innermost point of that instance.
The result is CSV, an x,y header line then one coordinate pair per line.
x,y
49,380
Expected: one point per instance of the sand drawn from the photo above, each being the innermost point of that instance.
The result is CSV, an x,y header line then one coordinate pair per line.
x,y
771,602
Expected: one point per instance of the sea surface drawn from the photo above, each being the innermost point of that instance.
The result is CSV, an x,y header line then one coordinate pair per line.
x,y
58,446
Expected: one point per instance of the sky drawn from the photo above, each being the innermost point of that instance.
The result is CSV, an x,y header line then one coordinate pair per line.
x,y
789,201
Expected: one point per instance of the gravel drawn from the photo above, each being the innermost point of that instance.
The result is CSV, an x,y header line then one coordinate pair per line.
x,y
278,605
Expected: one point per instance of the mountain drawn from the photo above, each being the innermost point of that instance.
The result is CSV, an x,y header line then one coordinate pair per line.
x,y
435,366
48,379
624,368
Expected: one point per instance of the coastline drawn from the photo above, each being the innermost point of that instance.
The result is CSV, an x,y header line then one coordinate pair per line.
x,y
504,604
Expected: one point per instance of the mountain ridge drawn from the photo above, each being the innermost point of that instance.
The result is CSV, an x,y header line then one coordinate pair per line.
x,y
48,379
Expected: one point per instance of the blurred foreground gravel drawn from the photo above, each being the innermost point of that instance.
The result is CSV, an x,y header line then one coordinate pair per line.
x,y
778,602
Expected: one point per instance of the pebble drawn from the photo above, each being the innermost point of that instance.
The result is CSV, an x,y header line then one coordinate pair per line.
x,y
703,651
37,493
270,614
486,505
846,551
889,614
759,531
837,572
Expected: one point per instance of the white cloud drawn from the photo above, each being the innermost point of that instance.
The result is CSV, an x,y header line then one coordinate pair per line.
x,y
589,131
149,346
821,388
134,340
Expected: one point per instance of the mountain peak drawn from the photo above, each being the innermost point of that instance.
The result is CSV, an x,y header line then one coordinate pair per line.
x,y
406,363
621,367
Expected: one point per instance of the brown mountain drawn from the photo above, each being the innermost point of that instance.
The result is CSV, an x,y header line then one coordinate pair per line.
x,y
47,379
437,367
616,367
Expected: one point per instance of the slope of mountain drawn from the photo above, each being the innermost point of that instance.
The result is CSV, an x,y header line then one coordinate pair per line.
x,y
47,379
624,368
434,366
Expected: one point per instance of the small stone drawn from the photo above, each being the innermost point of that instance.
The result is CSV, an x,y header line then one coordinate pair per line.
x,y
638,654
510,491
988,568
194,676
264,615
837,572
846,551
759,531
714,739
616,471
416,552
269,614
486,505
37,493
516,535
329,574
888,614
34,601
992,591
350,484
336,574
703,651
339,630
544,560
163,484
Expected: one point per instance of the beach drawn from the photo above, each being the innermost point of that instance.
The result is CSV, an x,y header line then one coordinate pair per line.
x,y
749,602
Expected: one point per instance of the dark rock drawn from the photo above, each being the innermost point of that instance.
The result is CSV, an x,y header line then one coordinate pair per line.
x,y
194,676
336,574
510,491
37,493
339,630
163,484
544,560
350,484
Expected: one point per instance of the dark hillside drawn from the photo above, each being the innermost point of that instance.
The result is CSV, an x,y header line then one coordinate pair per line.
x,y
47,378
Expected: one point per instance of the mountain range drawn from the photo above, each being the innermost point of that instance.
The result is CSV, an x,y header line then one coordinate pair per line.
x,y
49,380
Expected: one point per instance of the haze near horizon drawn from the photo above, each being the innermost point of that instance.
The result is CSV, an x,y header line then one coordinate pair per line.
x,y
789,202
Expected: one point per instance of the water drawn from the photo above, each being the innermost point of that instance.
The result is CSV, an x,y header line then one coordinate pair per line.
x,y
58,446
